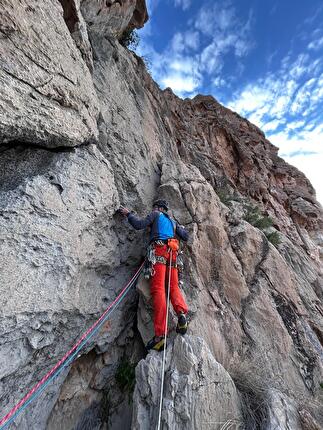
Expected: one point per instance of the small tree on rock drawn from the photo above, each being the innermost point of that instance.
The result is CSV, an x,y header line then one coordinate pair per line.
x,y
130,39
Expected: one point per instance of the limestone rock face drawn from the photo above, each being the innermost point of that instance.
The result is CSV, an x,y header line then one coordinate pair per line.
x,y
47,95
199,393
113,17
78,29
65,252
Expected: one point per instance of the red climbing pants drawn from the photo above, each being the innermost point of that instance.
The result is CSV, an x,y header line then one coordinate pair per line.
x,y
158,287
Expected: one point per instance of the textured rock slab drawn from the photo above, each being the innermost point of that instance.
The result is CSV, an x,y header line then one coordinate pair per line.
x,y
283,413
198,392
47,96
113,17
145,310
78,29
47,219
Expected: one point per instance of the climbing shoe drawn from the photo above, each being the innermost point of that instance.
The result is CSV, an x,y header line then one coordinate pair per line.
x,y
181,327
156,343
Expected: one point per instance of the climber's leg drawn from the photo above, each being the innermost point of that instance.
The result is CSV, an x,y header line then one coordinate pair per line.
x,y
176,295
177,299
158,290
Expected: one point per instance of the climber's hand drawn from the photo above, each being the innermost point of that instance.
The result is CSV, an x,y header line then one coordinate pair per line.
x,y
124,211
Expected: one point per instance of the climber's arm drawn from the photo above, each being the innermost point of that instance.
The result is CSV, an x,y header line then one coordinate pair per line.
x,y
181,232
141,223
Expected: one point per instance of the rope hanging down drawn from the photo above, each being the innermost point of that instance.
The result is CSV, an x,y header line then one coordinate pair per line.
x,y
68,357
165,344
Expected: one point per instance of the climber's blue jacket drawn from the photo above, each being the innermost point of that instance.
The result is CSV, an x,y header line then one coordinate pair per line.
x,y
162,227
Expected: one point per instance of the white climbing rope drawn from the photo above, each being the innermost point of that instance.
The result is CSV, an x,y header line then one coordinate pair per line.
x,y
165,344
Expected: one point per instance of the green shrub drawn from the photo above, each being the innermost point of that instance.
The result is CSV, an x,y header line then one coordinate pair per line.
x,y
252,214
224,196
263,223
148,63
254,217
274,238
130,39
125,376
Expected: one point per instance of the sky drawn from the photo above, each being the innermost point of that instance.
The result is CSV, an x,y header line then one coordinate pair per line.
x,y
260,58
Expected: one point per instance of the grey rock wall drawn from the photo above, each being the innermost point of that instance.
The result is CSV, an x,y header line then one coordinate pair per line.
x,y
65,253
198,392
47,94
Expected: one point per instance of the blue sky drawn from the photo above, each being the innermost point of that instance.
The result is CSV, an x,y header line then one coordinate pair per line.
x,y
261,58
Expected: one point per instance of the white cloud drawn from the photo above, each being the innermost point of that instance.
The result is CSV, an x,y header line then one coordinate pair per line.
x,y
184,63
316,45
305,151
219,82
180,83
295,125
186,41
299,67
282,94
173,68
210,60
271,125
252,98
225,32
184,4
242,47
192,39
181,75
218,18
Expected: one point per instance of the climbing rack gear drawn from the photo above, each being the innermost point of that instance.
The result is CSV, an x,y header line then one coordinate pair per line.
x,y
161,259
165,344
160,242
68,357
180,262
150,262
180,268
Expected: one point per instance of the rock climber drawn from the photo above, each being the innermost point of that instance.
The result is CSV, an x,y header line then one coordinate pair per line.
x,y
163,243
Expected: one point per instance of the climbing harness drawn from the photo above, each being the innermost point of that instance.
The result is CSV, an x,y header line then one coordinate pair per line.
x,y
161,259
165,345
152,258
68,357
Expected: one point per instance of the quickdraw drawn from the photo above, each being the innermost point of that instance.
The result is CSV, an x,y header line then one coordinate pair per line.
x,y
180,268
150,262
